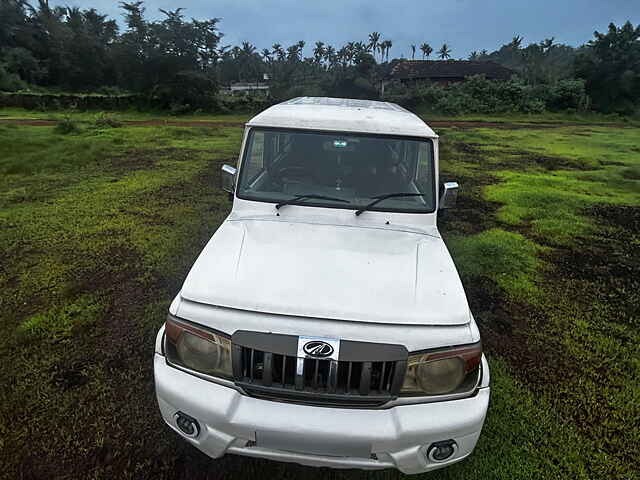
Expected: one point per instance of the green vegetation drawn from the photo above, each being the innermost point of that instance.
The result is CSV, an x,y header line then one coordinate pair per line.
x,y
479,95
505,257
554,281
99,226
178,65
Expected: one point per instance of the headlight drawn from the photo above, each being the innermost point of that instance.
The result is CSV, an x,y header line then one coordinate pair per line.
x,y
453,370
197,348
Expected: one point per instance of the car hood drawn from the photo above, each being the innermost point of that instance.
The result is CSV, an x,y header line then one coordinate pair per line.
x,y
340,272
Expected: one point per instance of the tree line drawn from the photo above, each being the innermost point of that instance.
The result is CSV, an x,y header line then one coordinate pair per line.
x,y
180,61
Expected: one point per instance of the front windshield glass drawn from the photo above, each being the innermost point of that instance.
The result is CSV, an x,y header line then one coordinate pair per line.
x,y
279,165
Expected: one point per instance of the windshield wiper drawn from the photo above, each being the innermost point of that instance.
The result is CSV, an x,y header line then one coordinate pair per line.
x,y
380,198
303,197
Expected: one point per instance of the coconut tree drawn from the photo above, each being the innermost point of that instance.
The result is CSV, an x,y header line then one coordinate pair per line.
x,y
318,52
278,51
386,45
426,50
248,49
300,46
374,41
360,48
413,52
444,52
330,56
516,42
474,55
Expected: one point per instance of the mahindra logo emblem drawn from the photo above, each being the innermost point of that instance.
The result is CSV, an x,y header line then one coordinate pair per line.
x,y
318,348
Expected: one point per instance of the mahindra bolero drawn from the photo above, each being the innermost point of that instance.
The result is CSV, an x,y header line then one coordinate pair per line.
x,y
325,323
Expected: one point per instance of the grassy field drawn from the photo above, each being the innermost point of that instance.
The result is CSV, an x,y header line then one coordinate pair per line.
x,y
99,226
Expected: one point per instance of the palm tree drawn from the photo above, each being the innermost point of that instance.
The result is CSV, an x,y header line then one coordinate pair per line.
x,y
547,44
474,55
386,45
278,51
426,50
413,52
248,49
293,54
266,54
516,42
444,52
360,48
330,56
318,52
374,41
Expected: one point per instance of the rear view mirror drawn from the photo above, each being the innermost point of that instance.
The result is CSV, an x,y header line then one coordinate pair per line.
x,y
449,195
228,178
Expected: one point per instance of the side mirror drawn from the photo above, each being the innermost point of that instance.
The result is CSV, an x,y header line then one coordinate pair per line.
x,y
228,178
449,195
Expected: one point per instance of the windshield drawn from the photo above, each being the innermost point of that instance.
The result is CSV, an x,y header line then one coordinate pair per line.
x,y
338,170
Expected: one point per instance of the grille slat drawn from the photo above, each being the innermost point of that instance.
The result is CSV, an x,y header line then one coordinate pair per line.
x,y
267,373
286,377
284,370
315,375
381,382
365,379
366,375
251,365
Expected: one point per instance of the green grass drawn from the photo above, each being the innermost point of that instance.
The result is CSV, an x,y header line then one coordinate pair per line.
x,y
100,225
560,261
533,118
509,259
128,115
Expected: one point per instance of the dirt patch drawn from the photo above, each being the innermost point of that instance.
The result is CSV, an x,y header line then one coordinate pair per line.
x,y
133,160
69,377
471,215
604,269
611,253
508,330
555,163
626,217
606,265
522,160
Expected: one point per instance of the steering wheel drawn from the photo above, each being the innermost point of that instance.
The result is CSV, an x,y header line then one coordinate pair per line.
x,y
293,174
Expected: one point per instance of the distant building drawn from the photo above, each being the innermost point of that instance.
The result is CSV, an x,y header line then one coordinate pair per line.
x,y
251,87
445,72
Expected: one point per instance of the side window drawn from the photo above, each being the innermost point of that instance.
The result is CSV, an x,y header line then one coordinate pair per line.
x,y
425,171
255,164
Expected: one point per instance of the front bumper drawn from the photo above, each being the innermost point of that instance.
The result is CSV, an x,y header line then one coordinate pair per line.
x,y
397,437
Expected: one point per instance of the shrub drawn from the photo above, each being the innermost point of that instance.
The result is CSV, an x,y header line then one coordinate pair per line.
x,y
66,126
479,95
186,91
104,120
10,82
567,94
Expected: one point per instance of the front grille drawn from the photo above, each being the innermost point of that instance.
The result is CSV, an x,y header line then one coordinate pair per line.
x,y
356,381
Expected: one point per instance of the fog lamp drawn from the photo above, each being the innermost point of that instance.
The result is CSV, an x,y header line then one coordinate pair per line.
x,y
187,425
441,451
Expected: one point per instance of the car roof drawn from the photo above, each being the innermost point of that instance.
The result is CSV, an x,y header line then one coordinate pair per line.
x,y
343,115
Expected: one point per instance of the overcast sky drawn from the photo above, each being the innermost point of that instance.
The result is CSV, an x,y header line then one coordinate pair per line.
x,y
465,25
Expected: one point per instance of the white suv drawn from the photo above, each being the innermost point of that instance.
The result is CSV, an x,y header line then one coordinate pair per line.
x,y
325,323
